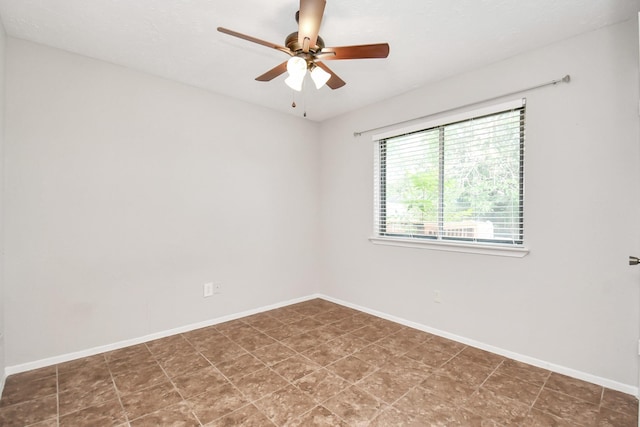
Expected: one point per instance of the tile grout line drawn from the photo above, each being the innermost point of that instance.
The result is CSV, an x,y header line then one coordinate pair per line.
x,y
249,401
477,389
378,369
172,384
539,393
315,404
288,382
599,405
601,399
118,393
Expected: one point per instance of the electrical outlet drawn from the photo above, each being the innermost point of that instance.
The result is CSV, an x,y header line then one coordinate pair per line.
x,y
437,297
207,289
217,288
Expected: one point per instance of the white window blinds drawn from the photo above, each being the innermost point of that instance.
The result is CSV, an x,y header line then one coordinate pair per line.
x,y
461,180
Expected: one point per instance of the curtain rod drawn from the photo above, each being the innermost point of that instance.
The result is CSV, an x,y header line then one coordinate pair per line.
x,y
565,79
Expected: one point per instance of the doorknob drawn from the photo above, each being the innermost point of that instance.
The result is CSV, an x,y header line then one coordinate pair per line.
x,y
634,260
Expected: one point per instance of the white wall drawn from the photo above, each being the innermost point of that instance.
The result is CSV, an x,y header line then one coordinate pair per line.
x,y
125,193
573,301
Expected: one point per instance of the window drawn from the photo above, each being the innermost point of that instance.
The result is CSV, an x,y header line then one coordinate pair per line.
x,y
457,180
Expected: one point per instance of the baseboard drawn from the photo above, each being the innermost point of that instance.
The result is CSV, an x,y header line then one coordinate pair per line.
x,y
614,385
15,369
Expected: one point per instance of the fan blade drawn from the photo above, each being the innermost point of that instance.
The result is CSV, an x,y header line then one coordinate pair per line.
x,y
334,82
380,50
309,21
255,40
273,73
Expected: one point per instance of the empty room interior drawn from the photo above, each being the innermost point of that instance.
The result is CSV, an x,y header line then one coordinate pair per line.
x,y
187,241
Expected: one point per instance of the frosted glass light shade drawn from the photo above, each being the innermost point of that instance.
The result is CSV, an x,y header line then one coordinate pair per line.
x,y
319,77
297,66
297,69
294,82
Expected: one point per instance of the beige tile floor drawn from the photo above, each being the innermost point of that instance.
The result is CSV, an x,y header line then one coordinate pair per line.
x,y
312,363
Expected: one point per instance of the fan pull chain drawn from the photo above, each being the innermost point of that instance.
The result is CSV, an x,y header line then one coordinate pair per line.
x,y
304,98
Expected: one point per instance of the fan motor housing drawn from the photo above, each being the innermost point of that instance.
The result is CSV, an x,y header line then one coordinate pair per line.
x,y
294,45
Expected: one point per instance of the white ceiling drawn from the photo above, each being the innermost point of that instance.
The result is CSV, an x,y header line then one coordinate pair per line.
x,y
429,39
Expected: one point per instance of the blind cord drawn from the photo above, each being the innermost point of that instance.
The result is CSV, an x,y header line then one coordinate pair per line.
x,y
565,79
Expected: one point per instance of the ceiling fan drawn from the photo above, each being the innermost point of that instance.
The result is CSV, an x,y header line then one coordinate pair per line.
x,y
306,48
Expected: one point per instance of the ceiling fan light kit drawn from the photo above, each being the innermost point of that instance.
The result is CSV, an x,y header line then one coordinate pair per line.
x,y
306,47
297,69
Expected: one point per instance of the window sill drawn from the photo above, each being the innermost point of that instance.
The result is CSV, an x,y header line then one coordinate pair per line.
x,y
439,245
